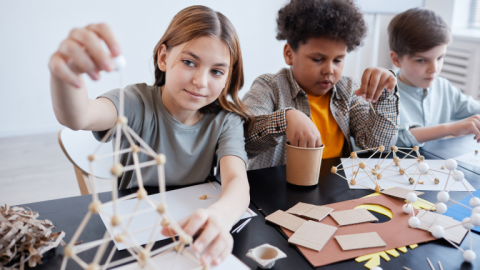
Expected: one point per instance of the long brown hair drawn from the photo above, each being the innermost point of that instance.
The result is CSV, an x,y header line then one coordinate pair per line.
x,y
197,21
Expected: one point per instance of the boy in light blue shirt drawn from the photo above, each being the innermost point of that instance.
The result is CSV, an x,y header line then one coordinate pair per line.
x,y
430,106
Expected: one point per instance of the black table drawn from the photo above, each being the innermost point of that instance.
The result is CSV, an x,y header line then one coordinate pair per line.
x,y
452,148
66,214
270,192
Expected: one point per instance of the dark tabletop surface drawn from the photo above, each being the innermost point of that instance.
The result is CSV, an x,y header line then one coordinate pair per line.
x,y
269,192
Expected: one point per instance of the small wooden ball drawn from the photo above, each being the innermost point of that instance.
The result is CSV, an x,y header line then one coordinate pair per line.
x,y
415,148
95,207
141,194
394,148
186,239
161,208
381,148
476,151
117,170
165,222
119,238
437,181
69,251
353,155
362,165
161,159
353,182
144,255
411,181
396,160
91,157
122,120
93,266
379,176
135,148
378,188
334,169
421,158
377,167
116,220
402,172
204,197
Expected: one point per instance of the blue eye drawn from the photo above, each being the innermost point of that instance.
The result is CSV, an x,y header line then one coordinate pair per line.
x,y
189,63
217,72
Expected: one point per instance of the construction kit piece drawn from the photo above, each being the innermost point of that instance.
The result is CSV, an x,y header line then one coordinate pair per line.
x,y
399,192
310,211
446,227
353,216
143,255
266,255
386,172
312,235
285,220
360,240
24,239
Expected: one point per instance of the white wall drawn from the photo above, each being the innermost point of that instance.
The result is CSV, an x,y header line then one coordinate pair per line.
x,y
31,30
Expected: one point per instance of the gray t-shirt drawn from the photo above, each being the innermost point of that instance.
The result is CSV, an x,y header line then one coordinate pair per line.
x,y
191,151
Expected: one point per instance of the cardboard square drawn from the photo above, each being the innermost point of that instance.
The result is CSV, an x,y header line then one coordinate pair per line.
x,y
455,234
400,192
360,241
353,216
427,219
310,211
312,235
285,220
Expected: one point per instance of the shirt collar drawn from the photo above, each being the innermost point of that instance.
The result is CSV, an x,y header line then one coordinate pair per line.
x,y
296,89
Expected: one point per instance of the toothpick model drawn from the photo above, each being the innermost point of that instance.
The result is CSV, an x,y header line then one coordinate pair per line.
x,y
377,173
143,255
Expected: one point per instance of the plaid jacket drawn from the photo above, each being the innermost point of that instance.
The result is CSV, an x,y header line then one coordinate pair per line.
x,y
272,94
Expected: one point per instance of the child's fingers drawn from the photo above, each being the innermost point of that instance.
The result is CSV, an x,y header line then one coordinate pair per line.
x,y
168,231
372,85
92,43
105,32
196,221
382,84
205,239
216,248
78,60
392,81
222,256
60,69
365,81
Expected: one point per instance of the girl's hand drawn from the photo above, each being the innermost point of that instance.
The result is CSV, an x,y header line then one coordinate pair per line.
x,y
82,52
374,80
215,242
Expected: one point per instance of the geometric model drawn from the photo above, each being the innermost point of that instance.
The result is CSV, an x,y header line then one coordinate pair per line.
x,y
423,168
142,254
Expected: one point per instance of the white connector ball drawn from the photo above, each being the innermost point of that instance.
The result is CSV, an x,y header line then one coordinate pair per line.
x,y
423,167
120,62
443,196
467,224
474,202
411,197
441,208
458,175
407,208
437,231
475,219
451,164
413,222
476,210
469,256
376,268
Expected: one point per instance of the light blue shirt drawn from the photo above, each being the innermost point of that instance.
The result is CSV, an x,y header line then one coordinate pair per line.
x,y
440,103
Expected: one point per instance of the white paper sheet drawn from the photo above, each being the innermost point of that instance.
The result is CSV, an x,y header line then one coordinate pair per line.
x,y
391,176
470,158
166,261
181,203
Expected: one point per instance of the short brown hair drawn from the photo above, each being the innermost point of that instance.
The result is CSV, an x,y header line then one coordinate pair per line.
x,y
417,30
199,21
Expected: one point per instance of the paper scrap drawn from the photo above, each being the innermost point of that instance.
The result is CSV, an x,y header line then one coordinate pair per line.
x,y
400,192
312,235
360,241
286,220
353,216
310,211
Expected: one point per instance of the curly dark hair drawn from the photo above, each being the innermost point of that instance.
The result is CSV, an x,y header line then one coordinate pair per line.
x,y
300,20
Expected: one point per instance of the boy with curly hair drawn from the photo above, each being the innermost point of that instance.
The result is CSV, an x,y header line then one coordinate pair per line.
x,y
431,107
311,103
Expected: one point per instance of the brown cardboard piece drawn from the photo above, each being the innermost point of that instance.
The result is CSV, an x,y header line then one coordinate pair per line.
x,y
399,192
310,211
285,220
395,233
360,240
455,234
303,165
313,235
353,216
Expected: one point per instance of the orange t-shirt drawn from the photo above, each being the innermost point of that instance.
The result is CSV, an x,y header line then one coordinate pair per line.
x,y
332,136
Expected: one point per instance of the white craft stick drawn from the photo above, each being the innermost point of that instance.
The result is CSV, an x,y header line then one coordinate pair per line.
x,y
153,231
460,204
453,244
102,248
123,151
64,263
446,183
164,248
144,144
93,182
146,152
80,228
118,136
243,225
80,262
109,258
134,211
83,247
467,189
124,198
430,263
246,221
140,165
138,171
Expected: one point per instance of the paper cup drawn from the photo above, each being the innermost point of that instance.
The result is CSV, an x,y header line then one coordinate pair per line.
x,y
303,165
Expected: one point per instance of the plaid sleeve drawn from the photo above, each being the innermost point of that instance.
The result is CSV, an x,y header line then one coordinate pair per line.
x,y
269,124
375,124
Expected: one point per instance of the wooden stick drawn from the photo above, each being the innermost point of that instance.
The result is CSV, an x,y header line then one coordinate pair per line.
x,y
138,170
341,176
341,163
134,211
211,184
438,171
162,185
122,90
453,226
165,248
449,172
146,152
246,221
430,263
123,151
83,247
153,231
371,106
371,156
64,263
124,198
93,182
417,181
140,165
467,189
407,154
104,139
144,144
80,228
109,258
440,265
460,204
118,136
118,262
191,256
406,268
454,244
346,167
79,261
101,250
355,176
243,225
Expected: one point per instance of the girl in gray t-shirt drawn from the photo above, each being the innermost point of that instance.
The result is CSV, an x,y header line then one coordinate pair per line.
x,y
185,114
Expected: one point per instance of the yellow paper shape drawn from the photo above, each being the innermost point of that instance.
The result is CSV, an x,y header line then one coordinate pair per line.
x,y
423,204
392,252
377,208
413,246
402,249
373,259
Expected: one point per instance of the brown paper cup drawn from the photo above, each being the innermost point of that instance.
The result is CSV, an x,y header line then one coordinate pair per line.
x,y
303,165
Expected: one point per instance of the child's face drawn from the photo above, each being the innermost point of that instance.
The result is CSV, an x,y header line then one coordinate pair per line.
x,y
317,65
196,73
420,69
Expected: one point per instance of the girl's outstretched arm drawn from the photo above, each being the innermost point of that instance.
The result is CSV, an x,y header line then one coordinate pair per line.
x,y
82,52
215,242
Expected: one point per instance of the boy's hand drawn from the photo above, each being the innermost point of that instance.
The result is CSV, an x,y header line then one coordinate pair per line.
x,y
301,131
467,126
374,80
215,242
82,52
